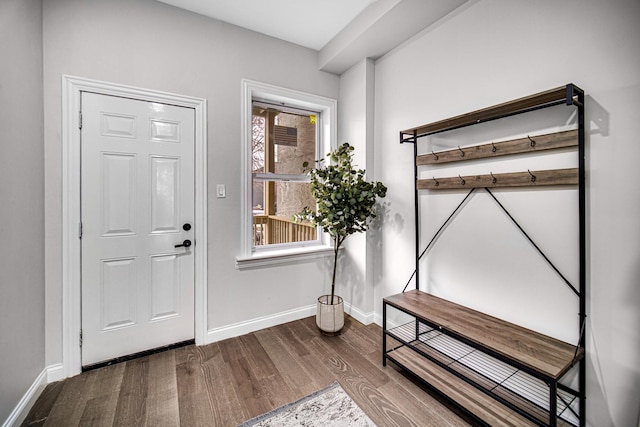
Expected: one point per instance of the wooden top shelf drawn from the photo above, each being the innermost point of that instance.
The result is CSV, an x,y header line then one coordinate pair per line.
x,y
562,95
546,356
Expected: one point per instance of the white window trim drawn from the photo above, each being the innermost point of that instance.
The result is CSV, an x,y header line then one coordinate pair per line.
x,y
249,258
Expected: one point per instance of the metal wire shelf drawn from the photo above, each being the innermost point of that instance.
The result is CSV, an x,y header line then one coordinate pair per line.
x,y
496,377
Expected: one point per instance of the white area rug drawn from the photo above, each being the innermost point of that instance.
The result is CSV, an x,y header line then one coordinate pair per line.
x,y
331,406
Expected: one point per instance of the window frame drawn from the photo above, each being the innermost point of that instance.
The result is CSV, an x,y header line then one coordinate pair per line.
x,y
327,141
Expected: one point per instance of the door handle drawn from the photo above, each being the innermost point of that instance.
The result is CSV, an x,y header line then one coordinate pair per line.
x,y
184,244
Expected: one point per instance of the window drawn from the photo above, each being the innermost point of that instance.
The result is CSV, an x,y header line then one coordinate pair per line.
x,y
282,129
282,140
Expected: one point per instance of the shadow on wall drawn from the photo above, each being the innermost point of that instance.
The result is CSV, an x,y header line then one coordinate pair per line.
x,y
598,412
351,280
596,392
375,242
612,375
632,301
595,114
596,123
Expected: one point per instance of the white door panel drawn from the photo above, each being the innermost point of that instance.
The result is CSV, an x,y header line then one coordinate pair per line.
x,y
137,193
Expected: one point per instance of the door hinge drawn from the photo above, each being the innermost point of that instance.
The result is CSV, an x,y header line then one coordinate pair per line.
x,y
79,230
80,337
79,119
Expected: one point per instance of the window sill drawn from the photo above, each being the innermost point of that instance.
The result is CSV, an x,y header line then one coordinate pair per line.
x,y
282,256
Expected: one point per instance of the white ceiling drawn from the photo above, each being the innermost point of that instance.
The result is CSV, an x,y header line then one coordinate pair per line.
x,y
342,31
309,23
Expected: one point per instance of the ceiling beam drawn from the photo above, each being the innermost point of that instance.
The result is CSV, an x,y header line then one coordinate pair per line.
x,y
382,26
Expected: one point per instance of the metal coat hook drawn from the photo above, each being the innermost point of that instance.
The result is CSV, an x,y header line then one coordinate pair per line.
x,y
437,183
461,180
434,155
493,178
533,177
461,152
532,143
494,149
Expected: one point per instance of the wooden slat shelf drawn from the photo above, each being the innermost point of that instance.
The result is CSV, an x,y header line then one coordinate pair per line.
x,y
475,401
516,146
542,355
557,96
512,179
481,405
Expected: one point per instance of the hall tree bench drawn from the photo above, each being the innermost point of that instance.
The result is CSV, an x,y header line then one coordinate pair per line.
x,y
497,372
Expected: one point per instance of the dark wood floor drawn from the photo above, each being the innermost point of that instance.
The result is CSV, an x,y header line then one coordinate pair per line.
x,y
225,383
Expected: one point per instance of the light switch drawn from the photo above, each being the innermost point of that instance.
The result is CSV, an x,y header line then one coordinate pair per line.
x,y
221,191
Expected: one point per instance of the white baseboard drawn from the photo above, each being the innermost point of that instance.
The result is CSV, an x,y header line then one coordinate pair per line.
x,y
50,374
377,319
246,327
359,315
55,373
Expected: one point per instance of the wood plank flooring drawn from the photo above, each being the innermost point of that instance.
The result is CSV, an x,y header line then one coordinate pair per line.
x,y
228,382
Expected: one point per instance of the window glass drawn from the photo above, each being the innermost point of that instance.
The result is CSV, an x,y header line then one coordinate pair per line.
x,y
283,140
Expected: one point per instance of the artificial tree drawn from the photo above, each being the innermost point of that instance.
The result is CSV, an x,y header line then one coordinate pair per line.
x,y
345,201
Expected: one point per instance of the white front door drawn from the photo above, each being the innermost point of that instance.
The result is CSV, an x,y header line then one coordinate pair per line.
x,y
137,191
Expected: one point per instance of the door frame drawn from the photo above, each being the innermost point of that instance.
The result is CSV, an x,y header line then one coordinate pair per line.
x,y
71,249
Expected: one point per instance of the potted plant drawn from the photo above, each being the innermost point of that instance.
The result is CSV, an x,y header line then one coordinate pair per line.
x,y
345,205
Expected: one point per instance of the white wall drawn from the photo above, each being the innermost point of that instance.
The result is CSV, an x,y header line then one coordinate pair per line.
x,y
22,195
355,279
492,51
148,44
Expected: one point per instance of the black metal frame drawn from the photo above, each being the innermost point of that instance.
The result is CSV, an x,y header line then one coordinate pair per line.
x,y
573,96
